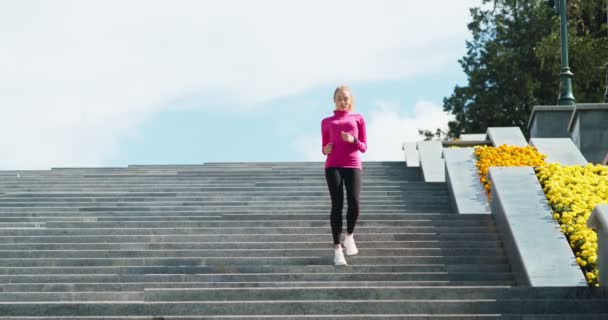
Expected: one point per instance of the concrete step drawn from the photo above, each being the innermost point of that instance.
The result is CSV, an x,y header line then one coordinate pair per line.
x,y
242,188
295,164
194,216
300,252
308,195
181,237
314,203
375,293
20,225
355,316
237,187
140,286
224,197
243,196
257,224
221,205
200,211
419,268
259,277
252,192
364,216
170,222
310,294
50,297
205,170
235,230
319,186
176,216
327,307
202,179
326,259
324,201
203,211
298,173
93,218
246,245
209,187
201,183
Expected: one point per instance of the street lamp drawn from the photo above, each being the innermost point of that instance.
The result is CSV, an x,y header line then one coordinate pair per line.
x,y
566,96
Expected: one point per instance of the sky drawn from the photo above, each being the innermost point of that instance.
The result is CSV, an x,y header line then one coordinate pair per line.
x,y
89,83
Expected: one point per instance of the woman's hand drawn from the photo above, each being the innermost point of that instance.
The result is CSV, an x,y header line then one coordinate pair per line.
x,y
348,137
327,149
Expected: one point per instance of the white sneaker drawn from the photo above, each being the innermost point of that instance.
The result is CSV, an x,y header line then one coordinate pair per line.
x,y
339,258
351,247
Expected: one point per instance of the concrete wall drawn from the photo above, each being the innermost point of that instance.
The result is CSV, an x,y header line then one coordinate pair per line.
x,y
550,121
539,253
507,135
589,130
412,158
559,150
599,221
466,192
431,160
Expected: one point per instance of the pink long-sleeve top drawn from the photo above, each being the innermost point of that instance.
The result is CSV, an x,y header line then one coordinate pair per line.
x,y
344,154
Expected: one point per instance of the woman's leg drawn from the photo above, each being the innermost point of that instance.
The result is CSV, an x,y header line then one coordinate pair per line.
x,y
352,181
334,184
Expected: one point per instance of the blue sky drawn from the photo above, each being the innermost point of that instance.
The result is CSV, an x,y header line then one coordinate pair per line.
x,y
112,83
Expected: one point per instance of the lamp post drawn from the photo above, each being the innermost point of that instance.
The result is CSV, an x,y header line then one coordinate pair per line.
x,y
606,93
566,96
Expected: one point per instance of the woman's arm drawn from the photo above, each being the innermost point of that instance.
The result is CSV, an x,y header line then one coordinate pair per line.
x,y
361,143
324,137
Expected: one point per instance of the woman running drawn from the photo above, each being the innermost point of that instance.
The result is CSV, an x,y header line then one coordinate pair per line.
x,y
343,137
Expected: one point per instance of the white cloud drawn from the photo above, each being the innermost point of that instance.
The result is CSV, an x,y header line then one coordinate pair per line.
x,y
78,75
387,130
309,147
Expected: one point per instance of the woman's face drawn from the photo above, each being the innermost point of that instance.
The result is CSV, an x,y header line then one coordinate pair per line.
x,y
343,100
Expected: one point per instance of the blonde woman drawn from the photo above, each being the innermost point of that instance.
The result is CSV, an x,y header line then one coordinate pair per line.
x,y
343,138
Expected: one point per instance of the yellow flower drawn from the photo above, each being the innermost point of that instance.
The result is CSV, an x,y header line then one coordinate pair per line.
x,y
573,192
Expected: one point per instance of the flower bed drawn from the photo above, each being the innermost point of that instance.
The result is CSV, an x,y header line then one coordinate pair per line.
x,y
505,156
573,192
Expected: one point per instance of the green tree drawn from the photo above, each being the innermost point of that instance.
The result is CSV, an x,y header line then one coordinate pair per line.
x,y
512,62
588,48
429,135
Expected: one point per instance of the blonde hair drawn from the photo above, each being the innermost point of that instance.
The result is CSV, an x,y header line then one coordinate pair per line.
x,y
352,99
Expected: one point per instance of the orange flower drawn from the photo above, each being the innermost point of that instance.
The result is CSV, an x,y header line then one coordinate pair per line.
x,y
502,156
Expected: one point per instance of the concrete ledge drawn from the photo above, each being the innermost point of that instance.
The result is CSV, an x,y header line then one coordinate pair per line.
x,y
559,150
599,221
507,135
431,161
411,154
550,121
538,252
466,144
466,192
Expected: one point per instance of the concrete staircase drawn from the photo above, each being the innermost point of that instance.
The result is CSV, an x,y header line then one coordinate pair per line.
x,y
252,240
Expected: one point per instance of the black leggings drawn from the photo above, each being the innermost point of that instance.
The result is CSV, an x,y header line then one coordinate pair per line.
x,y
336,178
